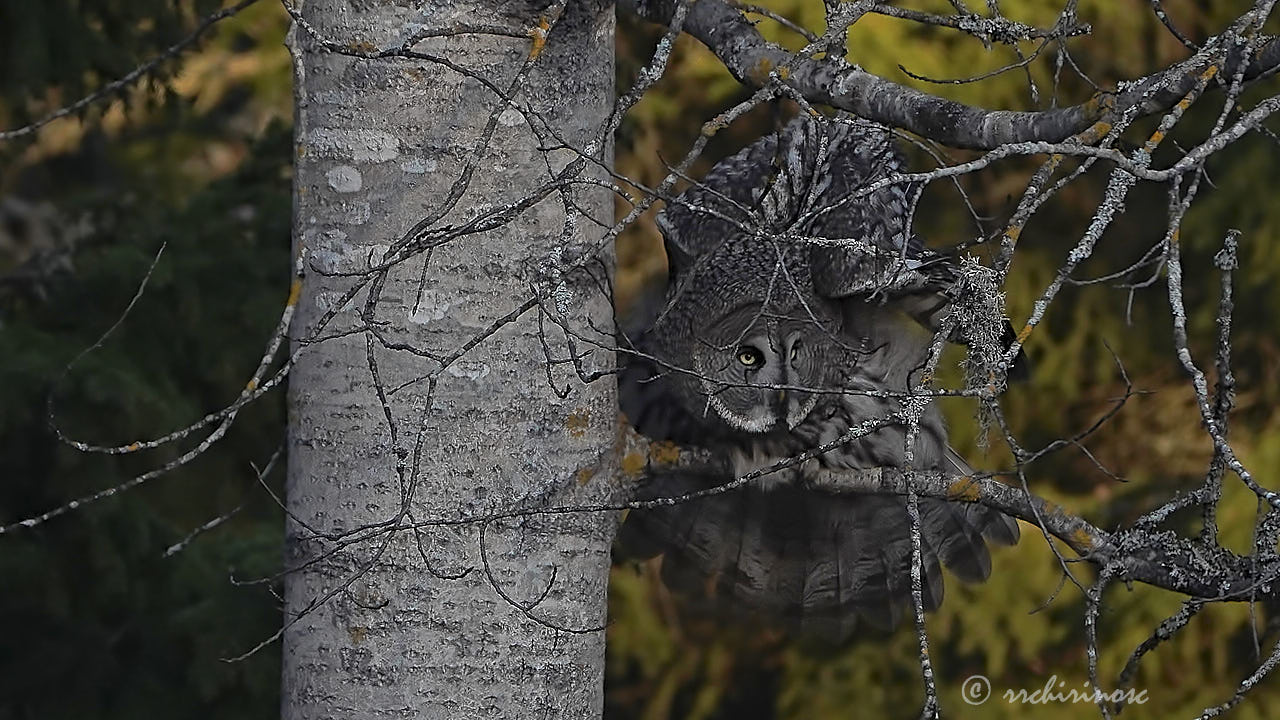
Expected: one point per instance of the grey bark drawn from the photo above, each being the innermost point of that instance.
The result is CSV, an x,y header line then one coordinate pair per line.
x,y
448,619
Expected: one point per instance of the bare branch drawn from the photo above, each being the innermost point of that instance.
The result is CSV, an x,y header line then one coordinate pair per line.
x,y
132,76
832,81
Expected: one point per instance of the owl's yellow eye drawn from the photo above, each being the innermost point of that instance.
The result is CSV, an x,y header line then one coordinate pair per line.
x,y
750,357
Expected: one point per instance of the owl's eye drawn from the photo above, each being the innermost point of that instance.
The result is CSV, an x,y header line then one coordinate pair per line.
x,y
750,357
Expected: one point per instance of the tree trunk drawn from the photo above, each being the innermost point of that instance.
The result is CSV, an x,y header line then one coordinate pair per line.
x,y
381,627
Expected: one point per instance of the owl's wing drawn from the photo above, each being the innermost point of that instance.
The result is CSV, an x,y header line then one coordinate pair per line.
x,y
871,252
810,180
817,559
647,396
697,222
997,526
861,239
813,182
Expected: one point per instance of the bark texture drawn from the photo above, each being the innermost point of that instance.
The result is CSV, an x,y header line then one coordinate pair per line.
x,y
401,611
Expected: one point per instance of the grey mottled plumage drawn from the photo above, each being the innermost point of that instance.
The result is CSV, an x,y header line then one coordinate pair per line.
x,y
790,298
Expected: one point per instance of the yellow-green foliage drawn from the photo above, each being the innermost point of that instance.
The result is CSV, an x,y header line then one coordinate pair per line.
x,y
1024,625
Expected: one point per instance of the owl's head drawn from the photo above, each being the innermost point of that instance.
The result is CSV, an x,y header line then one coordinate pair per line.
x,y
759,371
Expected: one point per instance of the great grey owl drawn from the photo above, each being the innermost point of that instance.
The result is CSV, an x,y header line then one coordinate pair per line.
x,y
794,309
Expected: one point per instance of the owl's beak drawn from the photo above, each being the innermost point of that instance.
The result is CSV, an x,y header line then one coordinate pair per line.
x,y
782,408
791,406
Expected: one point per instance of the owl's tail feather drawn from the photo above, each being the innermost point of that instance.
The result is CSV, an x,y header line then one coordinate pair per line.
x,y
820,559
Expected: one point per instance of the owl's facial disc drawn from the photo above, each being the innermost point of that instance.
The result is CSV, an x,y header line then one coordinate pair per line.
x,y
749,379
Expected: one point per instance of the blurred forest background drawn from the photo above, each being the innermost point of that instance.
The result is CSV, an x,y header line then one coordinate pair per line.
x,y
102,623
